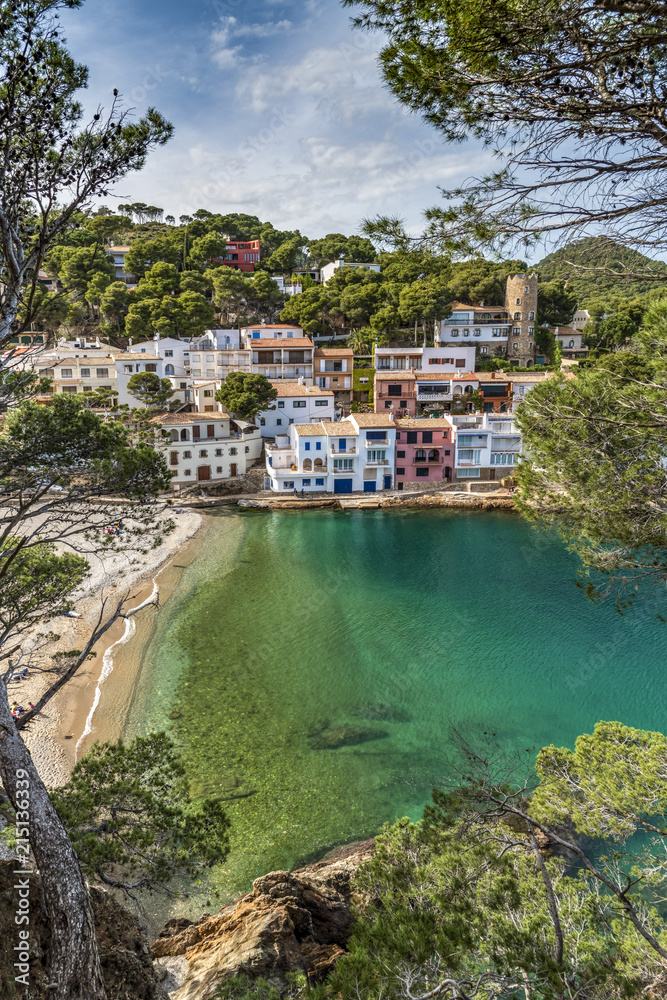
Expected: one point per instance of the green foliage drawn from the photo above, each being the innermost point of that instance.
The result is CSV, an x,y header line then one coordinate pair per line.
x,y
575,264
244,394
130,816
151,390
358,386
35,583
556,303
335,246
597,469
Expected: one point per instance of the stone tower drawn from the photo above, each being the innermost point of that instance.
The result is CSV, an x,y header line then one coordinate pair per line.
x,y
521,304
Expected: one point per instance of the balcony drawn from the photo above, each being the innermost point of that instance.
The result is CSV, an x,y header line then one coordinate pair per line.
x,y
380,443
428,461
379,461
342,454
434,397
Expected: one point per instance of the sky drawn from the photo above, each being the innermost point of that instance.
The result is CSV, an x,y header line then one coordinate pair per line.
x,y
278,108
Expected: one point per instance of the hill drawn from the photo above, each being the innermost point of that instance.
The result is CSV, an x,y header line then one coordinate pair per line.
x,y
589,285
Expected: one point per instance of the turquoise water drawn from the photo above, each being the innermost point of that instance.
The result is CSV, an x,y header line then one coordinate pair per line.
x,y
291,635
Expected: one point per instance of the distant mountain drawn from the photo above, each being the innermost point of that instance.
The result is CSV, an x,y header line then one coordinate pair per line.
x,y
589,285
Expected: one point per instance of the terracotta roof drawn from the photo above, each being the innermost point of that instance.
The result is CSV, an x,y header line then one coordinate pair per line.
x,y
529,376
477,308
492,377
279,342
424,376
294,389
332,352
188,418
343,428
441,423
112,249
308,430
271,326
401,376
372,420
465,377
566,331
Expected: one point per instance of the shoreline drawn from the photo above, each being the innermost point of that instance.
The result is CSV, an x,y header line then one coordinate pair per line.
x,y
53,737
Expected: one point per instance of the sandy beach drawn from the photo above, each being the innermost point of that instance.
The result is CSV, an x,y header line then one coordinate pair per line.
x,y
134,576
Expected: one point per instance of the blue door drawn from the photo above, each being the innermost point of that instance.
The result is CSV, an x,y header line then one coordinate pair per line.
x,y
369,487
342,444
387,482
342,485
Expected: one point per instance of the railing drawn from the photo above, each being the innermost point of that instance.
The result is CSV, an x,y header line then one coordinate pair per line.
x,y
427,397
379,443
428,461
342,454
379,461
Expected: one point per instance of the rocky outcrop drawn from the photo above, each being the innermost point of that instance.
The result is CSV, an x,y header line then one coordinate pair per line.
x,y
127,968
290,922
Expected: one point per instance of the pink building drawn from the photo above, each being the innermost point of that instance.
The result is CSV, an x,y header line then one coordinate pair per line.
x,y
424,450
395,392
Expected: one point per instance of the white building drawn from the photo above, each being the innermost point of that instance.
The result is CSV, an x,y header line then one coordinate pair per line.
x,y
130,363
439,358
488,445
571,341
270,331
71,370
523,382
296,403
174,352
328,270
580,319
221,339
208,449
118,255
286,286
485,327
348,456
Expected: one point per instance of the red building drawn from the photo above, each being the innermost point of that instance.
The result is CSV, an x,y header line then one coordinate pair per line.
x,y
241,255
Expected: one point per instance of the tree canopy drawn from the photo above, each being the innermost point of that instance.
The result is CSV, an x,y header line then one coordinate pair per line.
x,y
244,394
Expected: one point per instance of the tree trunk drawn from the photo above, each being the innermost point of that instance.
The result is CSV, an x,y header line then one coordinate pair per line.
x,y
74,968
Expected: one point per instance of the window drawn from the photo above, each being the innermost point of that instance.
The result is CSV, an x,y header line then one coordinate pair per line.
x,y
306,446
531,315
377,455
247,449
232,451
168,354
85,373
218,469
466,333
400,454
403,403
262,422
483,350
305,482
299,404
183,385
422,472
318,446
394,390
517,329
65,372
102,372
447,452
151,368
468,473
455,333
503,457
400,472
518,302
218,452
412,437
427,437
288,485
531,329
420,455
290,421
319,482
321,402
187,472
279,422
187,454
173,458
69,388
387,404
477,333
343,464
208,393
460,362
515,347
281,404
203,453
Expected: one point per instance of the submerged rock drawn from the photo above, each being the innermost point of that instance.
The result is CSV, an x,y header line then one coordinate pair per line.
x,y
291,922
378,712
332,737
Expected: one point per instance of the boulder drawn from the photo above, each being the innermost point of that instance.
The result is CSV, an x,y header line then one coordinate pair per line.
x,y
291,922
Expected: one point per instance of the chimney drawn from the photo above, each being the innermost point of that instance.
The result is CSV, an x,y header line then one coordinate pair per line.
x,y
391,416
300,380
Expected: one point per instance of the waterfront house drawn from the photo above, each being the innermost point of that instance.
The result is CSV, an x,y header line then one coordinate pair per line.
x,y
347,456
207,448
333,370
440,358
571,341
296,403
395,392
424,451
488,445
523,382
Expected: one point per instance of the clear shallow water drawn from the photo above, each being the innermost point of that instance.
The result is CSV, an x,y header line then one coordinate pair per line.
x,y
401,623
